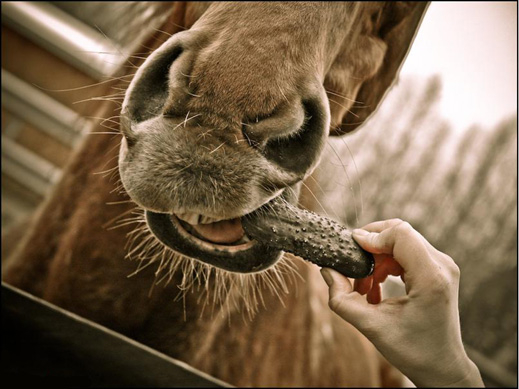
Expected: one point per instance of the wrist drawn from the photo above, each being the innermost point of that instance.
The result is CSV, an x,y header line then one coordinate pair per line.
x,y
471,379
465,375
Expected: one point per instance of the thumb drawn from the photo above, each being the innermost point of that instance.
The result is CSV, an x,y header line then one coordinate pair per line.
x,y
344,301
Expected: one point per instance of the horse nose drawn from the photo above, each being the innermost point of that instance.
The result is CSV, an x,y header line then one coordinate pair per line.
x,y
179,76
285,121
294,135
161,82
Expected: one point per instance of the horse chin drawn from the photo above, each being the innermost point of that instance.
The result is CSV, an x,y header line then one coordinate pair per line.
x,y
243,256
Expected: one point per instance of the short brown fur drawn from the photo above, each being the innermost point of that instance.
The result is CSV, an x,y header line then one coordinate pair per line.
x,y
70,258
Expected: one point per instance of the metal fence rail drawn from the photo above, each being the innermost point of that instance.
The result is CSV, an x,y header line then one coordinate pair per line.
x,y
62,34
42,111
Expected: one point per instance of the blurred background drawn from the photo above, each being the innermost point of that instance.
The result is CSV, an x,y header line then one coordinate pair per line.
x,y
441,151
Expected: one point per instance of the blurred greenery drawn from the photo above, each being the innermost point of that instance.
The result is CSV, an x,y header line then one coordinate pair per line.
x,y
458,188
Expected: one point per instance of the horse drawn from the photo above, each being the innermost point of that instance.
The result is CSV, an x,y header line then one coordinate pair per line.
x,y
229,111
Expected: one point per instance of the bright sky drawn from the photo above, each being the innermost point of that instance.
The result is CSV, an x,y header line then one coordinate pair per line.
x,y
473,46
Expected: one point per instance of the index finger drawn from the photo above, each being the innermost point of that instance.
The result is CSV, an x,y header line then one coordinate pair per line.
x,y
404,243
380,226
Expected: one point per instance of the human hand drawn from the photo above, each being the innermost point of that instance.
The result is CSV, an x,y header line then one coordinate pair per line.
x,y
419,333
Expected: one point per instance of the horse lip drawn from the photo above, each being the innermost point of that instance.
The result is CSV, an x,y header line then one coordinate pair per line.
x,y
247,257
177,222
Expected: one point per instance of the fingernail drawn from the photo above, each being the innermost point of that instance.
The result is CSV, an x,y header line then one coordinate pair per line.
x,y
327,276
360,232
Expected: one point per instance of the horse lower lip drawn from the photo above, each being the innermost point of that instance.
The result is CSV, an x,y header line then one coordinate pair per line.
x,y
246,257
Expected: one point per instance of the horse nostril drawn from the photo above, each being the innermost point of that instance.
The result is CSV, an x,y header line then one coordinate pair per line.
x,y
178,82
284,122
149,89
250,136
160,84
125,126
298,151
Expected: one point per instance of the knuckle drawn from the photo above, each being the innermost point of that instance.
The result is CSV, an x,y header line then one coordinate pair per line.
x,y
441,284
373,239
338,302
393,222
438,286
404,229
453,268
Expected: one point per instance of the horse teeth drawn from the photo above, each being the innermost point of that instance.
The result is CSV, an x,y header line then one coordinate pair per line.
x,y
189,217
196,218
206,219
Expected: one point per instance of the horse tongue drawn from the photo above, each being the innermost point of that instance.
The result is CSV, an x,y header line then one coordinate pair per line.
x,y
224,231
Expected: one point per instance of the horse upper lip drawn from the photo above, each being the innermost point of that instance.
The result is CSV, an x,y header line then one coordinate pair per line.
x,y
196,218
210,231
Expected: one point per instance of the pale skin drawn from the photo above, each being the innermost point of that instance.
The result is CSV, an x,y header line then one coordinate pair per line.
x,y
419,333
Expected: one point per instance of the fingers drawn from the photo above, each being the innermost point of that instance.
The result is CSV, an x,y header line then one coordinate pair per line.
x,y
380,226
375,294
336,282
399,240
344,301
385,266
375,242
363,285
371,286
382,242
